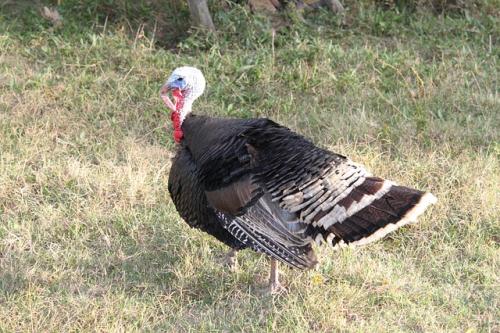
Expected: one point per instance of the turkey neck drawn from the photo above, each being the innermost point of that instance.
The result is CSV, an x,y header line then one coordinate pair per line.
x,y
178,134
182,108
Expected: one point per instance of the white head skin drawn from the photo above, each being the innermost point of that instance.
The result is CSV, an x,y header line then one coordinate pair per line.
x,y
187,84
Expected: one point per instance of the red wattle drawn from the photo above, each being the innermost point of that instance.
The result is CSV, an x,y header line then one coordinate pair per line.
x,y
177,93
175,116
178,135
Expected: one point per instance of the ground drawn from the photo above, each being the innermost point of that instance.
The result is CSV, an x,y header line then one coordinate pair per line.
x,y
90,240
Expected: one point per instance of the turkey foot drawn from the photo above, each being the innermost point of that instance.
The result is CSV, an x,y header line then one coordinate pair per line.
x,y
274,287
230,260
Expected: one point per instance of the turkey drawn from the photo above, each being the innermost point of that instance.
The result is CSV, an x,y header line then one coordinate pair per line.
x,y
252,183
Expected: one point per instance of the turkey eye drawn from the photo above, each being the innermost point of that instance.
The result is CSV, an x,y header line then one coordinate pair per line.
x,y
180,79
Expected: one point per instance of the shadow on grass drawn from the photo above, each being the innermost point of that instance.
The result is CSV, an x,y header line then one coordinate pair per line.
x,y
164,22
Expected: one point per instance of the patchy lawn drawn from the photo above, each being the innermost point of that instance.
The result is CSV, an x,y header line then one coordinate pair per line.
x,y
90,241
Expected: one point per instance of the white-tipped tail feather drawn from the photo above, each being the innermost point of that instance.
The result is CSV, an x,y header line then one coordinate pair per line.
x,y
410,217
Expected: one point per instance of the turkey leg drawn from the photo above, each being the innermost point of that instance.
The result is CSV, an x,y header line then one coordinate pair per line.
x,y
275,286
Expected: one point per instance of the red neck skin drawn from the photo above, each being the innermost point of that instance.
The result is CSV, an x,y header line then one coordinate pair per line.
x,y
175,116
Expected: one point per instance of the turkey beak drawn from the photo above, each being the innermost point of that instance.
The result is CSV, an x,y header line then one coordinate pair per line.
x,y
164,96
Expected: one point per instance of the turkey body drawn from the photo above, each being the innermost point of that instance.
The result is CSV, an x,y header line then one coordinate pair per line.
x,y
253,183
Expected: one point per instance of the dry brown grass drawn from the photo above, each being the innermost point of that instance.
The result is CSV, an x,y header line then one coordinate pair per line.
x,y
89,240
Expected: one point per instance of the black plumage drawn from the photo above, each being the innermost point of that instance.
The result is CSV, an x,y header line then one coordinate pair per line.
x,y
190,201
253,183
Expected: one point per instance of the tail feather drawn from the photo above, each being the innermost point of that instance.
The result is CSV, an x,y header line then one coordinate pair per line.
x,y
391,206
407,216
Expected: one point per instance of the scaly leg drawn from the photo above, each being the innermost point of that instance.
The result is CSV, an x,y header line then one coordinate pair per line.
x,y
275,286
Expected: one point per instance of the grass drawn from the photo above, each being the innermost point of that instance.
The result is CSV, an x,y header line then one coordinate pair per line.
x,y
90,241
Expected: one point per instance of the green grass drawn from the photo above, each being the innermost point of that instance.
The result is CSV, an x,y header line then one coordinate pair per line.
x,y
90,241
